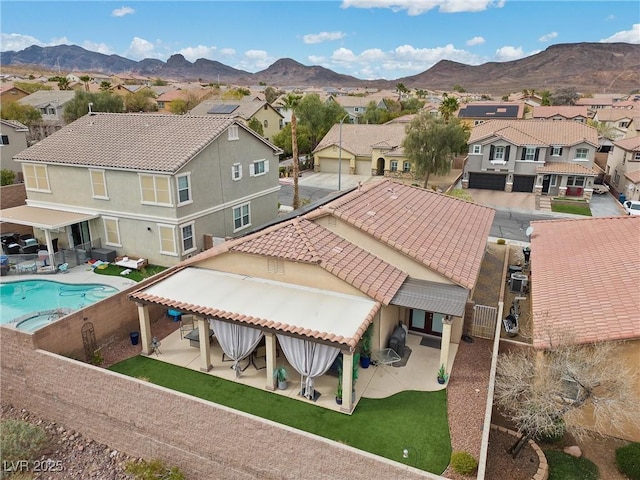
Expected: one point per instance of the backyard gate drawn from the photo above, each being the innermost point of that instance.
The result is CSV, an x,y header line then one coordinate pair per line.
x,y
484,321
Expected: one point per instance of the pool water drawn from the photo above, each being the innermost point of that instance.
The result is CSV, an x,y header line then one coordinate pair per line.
x,y
31,304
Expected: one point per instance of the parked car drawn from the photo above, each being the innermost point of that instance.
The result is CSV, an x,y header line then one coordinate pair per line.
x,y
632,207
600,188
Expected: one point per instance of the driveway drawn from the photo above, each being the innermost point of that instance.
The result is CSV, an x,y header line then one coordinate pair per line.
x,y
606,205
514,201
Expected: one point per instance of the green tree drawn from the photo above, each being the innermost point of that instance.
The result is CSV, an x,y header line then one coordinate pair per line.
x,y
401,89
411,105
105,86
431,143
255,125
158,82
375,115
63,83
180,106
102,102
7,177
271,94
545,95
448,107
459,89
604,130
290,102
318,116
565,96
420,93
85,79
24,114
282,139
140,101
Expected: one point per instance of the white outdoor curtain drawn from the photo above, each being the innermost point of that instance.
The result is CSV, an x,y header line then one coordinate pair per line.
x,y
237,341
310,359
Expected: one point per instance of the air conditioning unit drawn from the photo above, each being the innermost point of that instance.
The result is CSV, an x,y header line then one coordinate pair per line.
x,y
518,282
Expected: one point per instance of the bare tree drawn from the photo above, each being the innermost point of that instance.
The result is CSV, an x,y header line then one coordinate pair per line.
x,y
568,387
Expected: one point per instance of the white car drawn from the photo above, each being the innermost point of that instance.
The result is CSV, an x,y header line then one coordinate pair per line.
x,y
600,188
632,207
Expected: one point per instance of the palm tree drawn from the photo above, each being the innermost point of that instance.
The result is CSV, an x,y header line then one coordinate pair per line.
x,y
290,102
448,107
105,86
400,88
85,79
63,83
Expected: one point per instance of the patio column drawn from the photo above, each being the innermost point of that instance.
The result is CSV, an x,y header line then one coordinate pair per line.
x,y
347,381
205,346
52,255
145,328
270,346
446,341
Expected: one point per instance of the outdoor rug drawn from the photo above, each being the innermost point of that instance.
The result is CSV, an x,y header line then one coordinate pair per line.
x,y
430,342
405,358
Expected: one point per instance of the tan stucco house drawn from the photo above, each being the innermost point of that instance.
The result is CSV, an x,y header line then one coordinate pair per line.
x,y
147,185
13,139
384,254
623,166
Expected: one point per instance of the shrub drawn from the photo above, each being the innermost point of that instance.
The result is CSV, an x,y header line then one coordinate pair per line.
x,y
463,463
628,460
155,469
501,241
20,440
563,466
7,177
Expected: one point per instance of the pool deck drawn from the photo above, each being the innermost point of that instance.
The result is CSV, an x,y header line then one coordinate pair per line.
x,y
79,274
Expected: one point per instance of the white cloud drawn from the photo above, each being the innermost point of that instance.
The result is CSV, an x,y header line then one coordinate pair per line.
x,y
418,7
254,60
141,48
194,53
316,59
508,53
227,52
97,47
475,41
121,12
404,60
17,42
323,37
547,37
628,36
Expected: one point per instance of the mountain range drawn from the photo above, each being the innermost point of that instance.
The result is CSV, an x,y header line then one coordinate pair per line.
x,y
588,67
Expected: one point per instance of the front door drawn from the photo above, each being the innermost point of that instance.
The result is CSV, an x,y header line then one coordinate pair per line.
x,y
546,181
380,169
425,322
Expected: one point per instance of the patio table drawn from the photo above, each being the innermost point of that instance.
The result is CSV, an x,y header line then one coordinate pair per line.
x,y
386,356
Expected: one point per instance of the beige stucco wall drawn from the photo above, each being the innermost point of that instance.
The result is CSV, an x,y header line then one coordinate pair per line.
x,y
273,119
17,143
377,248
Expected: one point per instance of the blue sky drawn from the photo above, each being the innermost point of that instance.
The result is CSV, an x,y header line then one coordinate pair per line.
x,y
368,39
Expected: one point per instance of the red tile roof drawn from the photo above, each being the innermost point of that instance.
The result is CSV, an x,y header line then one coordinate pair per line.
x,y
567,168
585,279
443,233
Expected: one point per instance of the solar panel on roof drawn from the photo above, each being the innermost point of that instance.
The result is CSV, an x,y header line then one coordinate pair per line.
x,y
223,109
509,111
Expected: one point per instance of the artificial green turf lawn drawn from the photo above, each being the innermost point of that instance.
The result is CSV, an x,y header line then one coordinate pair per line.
x,y
414,420
135,275
563,466
575,209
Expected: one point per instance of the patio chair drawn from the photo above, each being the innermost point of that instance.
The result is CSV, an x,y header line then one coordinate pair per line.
x,y
64,268
186,325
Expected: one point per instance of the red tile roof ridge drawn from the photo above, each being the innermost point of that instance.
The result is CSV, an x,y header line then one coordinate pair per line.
x,y
297,223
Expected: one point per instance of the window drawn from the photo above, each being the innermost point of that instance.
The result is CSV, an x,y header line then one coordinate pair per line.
x,y
241,217
477,122
167,239
406,167
275,265
476,149
99,184
259,167
636,157
266,123
529,154
188,244
499,153
233,132
51,111
554,180
184,189
4,140
616,177
575,181
111,231
155,190
582,153
556,151
394,166
160,105
623,124
356,109
236,171
36,178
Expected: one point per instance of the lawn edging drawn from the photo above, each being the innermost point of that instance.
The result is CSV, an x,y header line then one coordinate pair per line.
x,y
543,466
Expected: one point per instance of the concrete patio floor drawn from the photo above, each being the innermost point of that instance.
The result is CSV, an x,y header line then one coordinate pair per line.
x,y
374,382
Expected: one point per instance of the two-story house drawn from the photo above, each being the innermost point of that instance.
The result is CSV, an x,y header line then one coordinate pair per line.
x,y
151,185
623,167
50,103
561,112
245,111
356,106
10,93
540,156
13,139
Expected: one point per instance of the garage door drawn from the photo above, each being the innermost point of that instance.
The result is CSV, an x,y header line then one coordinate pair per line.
x,y
487,181
328,165
523,183
363,167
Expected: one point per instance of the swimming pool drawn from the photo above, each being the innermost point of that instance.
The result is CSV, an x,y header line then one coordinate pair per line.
x,y
31,304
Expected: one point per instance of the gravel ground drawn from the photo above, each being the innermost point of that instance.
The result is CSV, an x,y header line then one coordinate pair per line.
x,y
500,464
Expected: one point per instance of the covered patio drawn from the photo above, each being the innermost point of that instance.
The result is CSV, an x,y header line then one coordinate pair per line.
x,y
315,320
